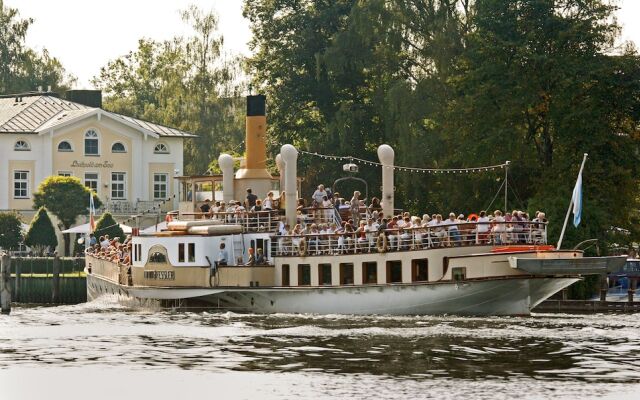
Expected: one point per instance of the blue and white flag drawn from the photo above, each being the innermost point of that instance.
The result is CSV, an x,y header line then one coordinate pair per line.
x,y
577,201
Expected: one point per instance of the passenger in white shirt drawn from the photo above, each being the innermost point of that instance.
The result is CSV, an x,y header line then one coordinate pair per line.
x,y
482,227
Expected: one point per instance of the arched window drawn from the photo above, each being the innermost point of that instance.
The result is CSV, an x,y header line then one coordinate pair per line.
x,y
157,257
118,147
64,146
161,148
22,145
91,144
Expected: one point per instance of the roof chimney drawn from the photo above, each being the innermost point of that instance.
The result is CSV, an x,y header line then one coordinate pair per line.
x,y
90,98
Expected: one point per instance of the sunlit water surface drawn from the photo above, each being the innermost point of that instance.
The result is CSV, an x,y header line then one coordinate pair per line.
x,y
102,350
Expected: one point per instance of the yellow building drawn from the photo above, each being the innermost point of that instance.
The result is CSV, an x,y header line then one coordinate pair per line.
x,y
130,163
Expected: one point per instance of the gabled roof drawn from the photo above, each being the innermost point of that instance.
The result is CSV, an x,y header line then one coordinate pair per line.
x,y
35,114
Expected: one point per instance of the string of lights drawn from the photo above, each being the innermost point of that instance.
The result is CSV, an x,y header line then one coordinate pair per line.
x,y
409,169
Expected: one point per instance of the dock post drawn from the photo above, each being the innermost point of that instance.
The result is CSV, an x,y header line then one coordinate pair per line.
x,y
55,288
5,284
16,295
633,284
604,287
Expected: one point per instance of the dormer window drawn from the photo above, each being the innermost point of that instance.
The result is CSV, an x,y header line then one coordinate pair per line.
x,y
118,147
64,146
91,143
22,145
161,148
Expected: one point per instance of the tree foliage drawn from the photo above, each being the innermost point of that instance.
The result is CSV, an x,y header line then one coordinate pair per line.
x,y
21,68
67,198
459,84
107,225
41,235
186,82
10,230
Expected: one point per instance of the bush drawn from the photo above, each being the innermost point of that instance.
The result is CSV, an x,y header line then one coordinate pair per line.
x,y
41,235
10,230
107,225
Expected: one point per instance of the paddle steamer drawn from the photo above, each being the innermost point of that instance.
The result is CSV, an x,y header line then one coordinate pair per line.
x,y
417,272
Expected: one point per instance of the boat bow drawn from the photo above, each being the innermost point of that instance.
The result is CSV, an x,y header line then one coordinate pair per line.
x,y
568,266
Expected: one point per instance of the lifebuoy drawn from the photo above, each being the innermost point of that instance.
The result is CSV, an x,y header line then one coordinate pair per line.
x,y
302,247
382,243
472,217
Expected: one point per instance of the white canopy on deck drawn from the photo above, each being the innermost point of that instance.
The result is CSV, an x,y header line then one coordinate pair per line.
x,y
85,229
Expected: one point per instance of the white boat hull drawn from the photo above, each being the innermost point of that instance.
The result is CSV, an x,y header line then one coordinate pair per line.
x,y
507,296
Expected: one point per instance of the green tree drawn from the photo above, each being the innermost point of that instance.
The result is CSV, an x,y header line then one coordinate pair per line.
x,y
41,235
21,68
10,230
186,82
67,198
459,84
107,225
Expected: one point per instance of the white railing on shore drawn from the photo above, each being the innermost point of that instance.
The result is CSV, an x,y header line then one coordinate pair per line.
x,y
464,234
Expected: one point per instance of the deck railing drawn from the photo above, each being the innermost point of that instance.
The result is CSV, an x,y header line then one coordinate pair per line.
x,y
446,235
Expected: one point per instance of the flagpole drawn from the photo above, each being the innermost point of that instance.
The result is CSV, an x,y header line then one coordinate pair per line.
x,y
566,218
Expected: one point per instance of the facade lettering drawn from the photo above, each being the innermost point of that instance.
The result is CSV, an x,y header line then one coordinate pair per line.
x,y
91,164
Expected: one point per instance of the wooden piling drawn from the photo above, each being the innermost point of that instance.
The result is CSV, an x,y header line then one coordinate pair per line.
x,y
55,287
5,284
604,287
633,284
16,289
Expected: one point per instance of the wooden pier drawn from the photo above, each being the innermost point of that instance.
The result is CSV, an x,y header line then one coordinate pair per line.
x,y
587,306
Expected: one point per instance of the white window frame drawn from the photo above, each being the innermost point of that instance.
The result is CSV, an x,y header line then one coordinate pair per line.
x,y
65,173
158,182
64,150
97,180
119,152
122,182
96,138
158,151
24,145
21,181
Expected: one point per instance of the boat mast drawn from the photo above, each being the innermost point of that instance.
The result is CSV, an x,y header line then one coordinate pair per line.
x,y
506,184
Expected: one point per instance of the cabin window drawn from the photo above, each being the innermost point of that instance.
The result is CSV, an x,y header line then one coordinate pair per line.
x,y
370,272
286,275
180,252
157,257
394,271
137,252
420,270
304,274
324,274
459,273
346,273
192,252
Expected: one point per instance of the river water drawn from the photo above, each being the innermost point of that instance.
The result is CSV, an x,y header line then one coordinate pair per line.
x,y
102,350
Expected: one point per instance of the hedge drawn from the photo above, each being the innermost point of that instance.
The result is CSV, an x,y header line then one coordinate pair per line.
x,y
44,265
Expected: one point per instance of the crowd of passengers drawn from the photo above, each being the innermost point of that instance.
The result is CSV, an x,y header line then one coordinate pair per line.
x,y
110,249
366,223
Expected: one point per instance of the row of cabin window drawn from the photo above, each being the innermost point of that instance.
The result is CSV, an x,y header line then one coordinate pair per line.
x,y
186,251
419,273
91,146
